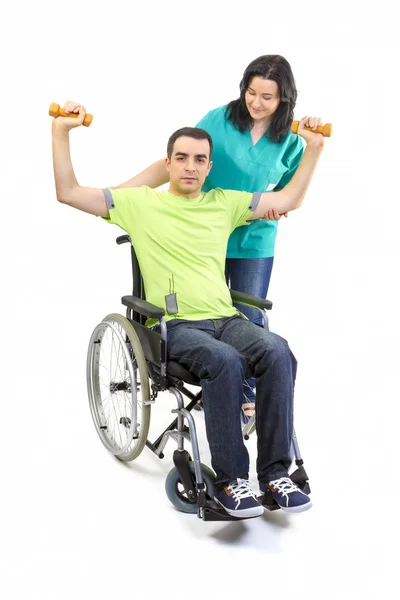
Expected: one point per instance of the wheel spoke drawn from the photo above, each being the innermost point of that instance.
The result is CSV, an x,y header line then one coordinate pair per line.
x,y
113,393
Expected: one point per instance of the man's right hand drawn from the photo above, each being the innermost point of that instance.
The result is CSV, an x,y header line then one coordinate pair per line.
x,y
68,123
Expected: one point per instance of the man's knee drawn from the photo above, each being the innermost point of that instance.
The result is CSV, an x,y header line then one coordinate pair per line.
x,y
275,348
226,358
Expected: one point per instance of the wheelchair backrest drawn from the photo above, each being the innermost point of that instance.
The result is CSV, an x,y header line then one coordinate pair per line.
x,y
137,279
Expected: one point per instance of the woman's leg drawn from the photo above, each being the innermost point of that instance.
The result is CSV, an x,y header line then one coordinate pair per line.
x,y
251,276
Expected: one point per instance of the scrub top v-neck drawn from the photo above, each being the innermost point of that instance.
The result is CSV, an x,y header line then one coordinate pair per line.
x,y
238,164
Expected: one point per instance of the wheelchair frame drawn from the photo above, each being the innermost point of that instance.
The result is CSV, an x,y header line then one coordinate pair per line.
x,y
170,376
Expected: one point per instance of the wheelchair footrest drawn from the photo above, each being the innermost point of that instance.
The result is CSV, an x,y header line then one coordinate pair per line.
x,y
268,502
214,512
300,478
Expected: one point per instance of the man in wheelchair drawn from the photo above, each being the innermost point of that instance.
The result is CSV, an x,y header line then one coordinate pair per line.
x,y
180,239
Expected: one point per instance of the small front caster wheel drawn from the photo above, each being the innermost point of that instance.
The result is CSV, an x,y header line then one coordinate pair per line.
x,y
176,492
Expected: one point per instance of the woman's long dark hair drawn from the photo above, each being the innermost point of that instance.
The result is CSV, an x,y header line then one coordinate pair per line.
x,y
276,68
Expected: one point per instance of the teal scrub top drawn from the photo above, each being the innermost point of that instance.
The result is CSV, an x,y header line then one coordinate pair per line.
x,y
240,165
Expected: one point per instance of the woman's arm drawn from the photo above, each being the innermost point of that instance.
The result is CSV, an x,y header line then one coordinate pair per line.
x,y
153,176
156,174
292,195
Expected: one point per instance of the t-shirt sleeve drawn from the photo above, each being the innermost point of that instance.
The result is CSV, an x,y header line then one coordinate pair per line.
x,y
293,163
122,205
242,205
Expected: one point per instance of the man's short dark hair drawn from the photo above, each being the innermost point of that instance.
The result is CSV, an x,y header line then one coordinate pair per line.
x,y
192,132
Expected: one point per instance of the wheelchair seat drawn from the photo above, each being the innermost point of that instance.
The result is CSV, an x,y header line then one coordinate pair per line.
x,y
179,372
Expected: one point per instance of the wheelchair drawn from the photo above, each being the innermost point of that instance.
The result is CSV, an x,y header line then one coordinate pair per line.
x,y
126,368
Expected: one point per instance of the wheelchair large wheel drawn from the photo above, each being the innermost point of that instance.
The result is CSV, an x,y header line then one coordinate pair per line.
x,y
118,387
176,492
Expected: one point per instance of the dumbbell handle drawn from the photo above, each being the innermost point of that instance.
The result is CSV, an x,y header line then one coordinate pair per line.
x,y
326,129
56,111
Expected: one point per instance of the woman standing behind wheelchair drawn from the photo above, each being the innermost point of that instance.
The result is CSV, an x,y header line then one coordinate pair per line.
x,y
254,151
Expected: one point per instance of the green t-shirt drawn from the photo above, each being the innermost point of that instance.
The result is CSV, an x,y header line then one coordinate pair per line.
x,y
240,165
181,243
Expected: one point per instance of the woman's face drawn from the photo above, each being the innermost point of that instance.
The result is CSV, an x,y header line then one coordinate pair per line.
x,y
262,98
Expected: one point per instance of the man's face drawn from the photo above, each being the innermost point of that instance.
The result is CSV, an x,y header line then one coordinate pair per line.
x,y
189,166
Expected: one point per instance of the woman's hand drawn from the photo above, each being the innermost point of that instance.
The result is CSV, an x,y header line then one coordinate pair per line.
x,y
272,215
310,136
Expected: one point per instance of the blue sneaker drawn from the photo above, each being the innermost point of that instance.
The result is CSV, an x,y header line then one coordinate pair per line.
x,y
238,499
288,495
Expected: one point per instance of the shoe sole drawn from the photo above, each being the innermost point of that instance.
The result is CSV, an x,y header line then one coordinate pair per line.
x,y
297,509
246,513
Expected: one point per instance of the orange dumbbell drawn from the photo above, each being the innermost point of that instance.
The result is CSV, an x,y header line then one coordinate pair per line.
x,y
326,129
56,111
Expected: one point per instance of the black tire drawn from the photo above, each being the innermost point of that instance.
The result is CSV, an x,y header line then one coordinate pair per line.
x,y
175,492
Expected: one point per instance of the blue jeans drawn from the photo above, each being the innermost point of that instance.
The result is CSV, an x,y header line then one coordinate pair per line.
x,y
251,276
216,351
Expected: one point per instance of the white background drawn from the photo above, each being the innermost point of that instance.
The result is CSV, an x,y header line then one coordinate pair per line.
x,y
77,524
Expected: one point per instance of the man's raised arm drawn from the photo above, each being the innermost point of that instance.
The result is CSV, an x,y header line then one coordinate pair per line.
x,y
292,195
68,190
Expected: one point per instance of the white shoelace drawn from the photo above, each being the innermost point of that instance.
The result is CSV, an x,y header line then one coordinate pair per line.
x,y
285,486
241,490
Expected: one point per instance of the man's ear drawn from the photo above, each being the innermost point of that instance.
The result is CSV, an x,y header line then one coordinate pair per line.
x,y
209,166
167,164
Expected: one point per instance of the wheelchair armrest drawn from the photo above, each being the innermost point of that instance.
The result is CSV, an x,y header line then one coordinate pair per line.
x,y
143,307
255,301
